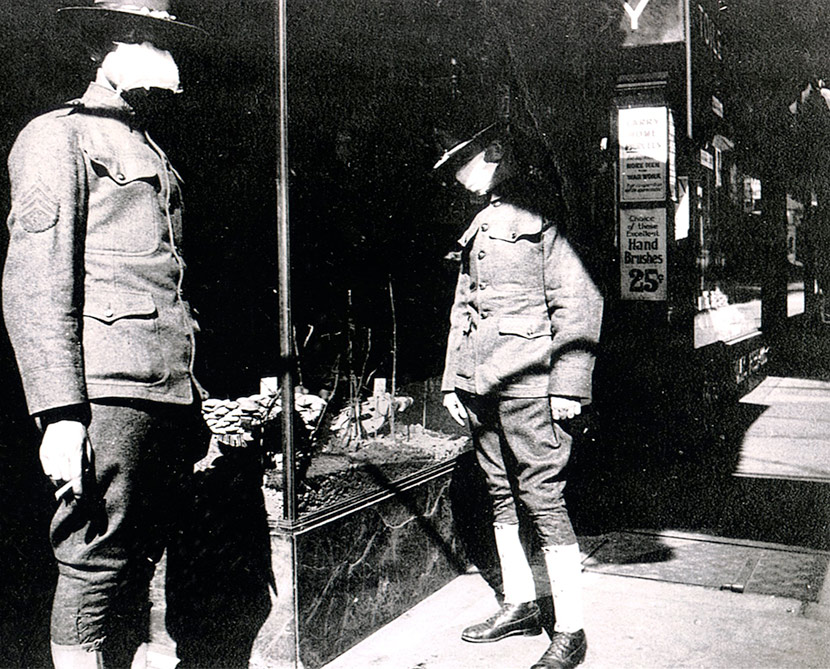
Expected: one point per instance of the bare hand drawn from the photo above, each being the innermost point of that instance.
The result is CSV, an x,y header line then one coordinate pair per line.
x,y
562,408
455,407
62,453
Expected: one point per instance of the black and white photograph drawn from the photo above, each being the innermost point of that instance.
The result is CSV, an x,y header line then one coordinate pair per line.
x,y
414,334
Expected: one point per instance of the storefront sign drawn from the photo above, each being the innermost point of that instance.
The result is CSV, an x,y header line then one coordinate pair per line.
x,y
644,153
750,363
709,33
643,259
707,159
634,13
648,22
705,75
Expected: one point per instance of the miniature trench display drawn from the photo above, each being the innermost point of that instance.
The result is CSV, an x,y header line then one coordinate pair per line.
x,y
344,450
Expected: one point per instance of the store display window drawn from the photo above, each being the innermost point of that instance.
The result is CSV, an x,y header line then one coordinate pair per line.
x,y
372,231
796,236
731,256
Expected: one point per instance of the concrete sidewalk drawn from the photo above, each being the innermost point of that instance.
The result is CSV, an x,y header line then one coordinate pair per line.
x,y
630,622
656,600
791,438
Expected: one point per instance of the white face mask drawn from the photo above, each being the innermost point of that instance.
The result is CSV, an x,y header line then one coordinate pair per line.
x,y
131,66
477,174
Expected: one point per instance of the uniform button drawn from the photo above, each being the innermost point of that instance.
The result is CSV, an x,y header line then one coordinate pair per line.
x,y
484,226
529,332
497,203
120,176
512,235
485,314
481,254
482,285
109,313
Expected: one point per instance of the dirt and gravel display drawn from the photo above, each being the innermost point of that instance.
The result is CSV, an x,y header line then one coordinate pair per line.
x,y
337,474
339,456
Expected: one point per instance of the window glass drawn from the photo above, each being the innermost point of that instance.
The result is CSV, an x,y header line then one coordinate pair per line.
x,y
795,257
731,256
371,230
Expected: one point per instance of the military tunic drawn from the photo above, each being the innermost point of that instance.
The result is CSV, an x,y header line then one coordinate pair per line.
x,y
92,287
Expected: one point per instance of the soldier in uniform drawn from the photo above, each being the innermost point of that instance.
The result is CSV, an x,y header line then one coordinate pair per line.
x,y
520,355
103,336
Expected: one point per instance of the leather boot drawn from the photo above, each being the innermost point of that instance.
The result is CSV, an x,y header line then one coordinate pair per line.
x,y
567,649
509,620
76,657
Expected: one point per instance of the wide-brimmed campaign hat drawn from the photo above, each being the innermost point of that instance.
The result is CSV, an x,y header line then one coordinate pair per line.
x,y
108,17
456,152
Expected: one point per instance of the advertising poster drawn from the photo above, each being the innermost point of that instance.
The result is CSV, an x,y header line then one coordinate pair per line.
x,y
643,254
644,153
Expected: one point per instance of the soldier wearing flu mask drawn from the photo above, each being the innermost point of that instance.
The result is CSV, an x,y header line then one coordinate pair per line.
x,y
103,335
524,328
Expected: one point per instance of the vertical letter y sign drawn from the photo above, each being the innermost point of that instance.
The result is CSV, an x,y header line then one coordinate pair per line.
x,y
634,14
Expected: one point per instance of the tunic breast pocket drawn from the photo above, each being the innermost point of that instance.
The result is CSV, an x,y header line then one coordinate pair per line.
x,y
517,254
121,343
124,209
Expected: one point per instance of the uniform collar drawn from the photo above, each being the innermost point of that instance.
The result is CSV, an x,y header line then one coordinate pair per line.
x,y
103,99
491,200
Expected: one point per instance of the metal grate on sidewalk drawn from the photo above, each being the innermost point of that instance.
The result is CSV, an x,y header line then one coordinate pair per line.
x,y
738,566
